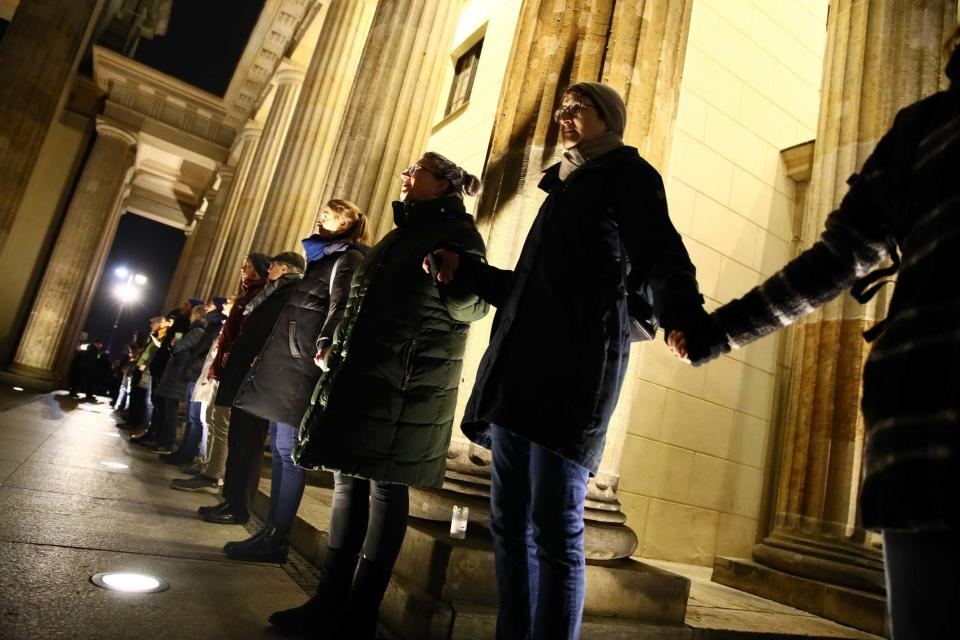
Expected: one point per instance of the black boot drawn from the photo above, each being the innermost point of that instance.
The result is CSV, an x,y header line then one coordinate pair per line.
x,y
242,543
336,576
363,606
214,508
271,547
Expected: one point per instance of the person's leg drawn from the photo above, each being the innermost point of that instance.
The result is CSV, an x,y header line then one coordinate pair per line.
x,y
276,472
516,565
203,453
293,478
923,585
167,432
558,492
216,463
348,528
245,452
190,444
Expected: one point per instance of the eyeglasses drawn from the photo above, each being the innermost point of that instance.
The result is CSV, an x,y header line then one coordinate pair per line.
x,y
412,171
571,111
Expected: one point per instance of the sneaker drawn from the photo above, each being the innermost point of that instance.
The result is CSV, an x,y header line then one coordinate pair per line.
x,y
198,482
191,468
162,449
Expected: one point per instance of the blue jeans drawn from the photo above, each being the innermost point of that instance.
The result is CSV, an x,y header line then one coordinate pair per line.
x,y
923,586
536,517
190,445
287,480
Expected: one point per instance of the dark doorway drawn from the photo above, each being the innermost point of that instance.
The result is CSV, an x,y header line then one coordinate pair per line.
x,y
143,247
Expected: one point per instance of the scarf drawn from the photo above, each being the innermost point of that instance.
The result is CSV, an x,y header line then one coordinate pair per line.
x,y
268,290
574,158
315,247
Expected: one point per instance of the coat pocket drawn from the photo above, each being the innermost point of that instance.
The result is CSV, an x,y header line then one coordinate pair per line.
x,y
292,339
408,364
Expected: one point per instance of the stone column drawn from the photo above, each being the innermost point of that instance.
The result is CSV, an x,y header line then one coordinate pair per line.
x,y
39,53
294,195
203,236
881,56
555,45
244,149
389,113
254,193
77,260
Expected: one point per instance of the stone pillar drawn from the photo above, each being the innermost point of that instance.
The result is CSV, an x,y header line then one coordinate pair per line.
x,y
202,237
77,260
294,196
38,56
220,226
556,45
881,56
389,113
254,193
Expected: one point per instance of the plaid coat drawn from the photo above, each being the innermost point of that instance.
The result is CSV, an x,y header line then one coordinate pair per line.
x,y
906,198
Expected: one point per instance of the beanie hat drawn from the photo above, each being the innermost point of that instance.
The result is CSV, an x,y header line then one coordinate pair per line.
x,y
608,102
219,302
261,262
195,302
291,259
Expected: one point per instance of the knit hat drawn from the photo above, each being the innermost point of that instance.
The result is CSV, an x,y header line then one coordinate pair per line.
x,y
261,262
195,302
608,102
218,303
291,259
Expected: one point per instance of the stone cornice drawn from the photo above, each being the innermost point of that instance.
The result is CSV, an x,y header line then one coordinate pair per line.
x,y
799,161
161,97
112,129
277,29
289,72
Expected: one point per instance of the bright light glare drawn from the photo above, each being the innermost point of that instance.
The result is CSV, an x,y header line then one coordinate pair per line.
x,y
18,388
111,435
140,279
129,582
121,272
126,293
115,465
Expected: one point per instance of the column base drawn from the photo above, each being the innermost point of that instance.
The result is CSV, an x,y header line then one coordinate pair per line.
x,y
852,607
30,378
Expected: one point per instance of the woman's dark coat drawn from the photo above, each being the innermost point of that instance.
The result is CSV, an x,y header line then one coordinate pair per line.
x,y
385,408
210,333
560,340
279,385
253,333
173,383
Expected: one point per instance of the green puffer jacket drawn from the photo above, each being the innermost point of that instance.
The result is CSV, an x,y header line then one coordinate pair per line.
x,y
384,409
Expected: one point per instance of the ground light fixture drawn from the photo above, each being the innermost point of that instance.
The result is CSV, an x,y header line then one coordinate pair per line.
x,y
115,465
129,582
18,388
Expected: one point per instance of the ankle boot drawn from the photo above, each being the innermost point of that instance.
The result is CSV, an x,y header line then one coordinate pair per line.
x,y
363,606
330,599
267,526
271,547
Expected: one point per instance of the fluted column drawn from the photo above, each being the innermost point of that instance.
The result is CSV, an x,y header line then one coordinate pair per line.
x,y
294,195
389,112
199,240
244,149
637,47
254,193
77,260
38,54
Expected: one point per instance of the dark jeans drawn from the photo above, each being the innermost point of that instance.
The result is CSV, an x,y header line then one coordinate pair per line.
x,y
287,480
923,584
370,516
141,407
166,416
190,445
244,457
536,517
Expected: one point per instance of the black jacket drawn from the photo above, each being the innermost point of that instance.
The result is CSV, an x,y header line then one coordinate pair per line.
x,y
199,353
279,385
560,340
254,331
385,408
173,383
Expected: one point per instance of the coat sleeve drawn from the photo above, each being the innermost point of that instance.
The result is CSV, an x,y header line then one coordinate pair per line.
x,y
340,293
464,303
188,341
857,236
661,269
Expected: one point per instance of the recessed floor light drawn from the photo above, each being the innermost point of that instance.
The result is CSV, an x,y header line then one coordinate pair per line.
x,y
115,465
18,388
129,582
111,435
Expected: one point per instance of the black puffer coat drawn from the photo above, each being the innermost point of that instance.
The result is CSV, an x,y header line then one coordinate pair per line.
x,y
558,351
199,352
173,383
254,331
385,408
279,384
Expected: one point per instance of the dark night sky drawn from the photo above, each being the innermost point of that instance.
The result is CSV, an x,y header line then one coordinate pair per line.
x,y
146,247
204,41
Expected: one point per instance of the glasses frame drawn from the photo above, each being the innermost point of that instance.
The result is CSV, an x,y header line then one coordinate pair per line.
x,y
412,171
572,110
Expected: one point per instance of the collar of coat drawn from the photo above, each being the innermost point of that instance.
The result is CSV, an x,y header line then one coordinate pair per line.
x,y
411,214
619,157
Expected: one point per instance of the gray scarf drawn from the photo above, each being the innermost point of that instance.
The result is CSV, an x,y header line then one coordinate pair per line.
x,y
268,290
574,158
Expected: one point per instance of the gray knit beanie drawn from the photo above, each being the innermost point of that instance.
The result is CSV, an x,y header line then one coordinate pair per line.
x,y
609,103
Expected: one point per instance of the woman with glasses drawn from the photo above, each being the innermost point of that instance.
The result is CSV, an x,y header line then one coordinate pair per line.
x,y
381,415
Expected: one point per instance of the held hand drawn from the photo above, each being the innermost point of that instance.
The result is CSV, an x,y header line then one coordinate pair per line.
x,y
444,265
678,345
320,357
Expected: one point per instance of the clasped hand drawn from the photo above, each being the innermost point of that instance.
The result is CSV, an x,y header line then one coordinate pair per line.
x,y
442,264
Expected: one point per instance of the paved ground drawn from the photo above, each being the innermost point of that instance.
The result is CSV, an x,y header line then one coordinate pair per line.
x,y
67,516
